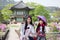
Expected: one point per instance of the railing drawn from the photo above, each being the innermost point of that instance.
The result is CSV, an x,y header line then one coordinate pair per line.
x,y
53,36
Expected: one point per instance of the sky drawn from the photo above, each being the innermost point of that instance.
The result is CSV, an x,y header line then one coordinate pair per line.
x,y
55,3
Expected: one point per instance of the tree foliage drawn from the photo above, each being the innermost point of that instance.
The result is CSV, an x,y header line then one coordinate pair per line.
x,y
56,14
6,12
38,10
1,17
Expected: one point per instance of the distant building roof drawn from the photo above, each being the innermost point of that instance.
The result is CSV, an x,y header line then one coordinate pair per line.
x,y
52,9
21,5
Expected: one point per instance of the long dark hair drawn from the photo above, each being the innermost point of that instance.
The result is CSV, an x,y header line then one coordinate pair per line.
x,y
26,24
43,25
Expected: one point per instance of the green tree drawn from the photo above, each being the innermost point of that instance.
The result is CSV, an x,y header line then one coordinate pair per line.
x,y
6,12
56,14
1,17
38,10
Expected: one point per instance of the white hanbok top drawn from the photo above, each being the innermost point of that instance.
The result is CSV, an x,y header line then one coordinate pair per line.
x,y
12,34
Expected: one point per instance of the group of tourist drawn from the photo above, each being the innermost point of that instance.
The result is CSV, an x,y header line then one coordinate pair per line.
x,y
27,31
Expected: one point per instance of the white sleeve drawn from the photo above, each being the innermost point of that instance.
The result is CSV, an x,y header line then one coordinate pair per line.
x,y
32,29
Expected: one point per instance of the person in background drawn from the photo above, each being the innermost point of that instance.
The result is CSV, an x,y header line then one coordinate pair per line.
x,y
40,30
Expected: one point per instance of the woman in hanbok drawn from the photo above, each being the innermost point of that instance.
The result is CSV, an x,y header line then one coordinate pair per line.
x,y
41,28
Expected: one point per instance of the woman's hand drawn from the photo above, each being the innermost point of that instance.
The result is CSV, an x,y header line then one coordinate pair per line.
x,y
38,32
33,34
